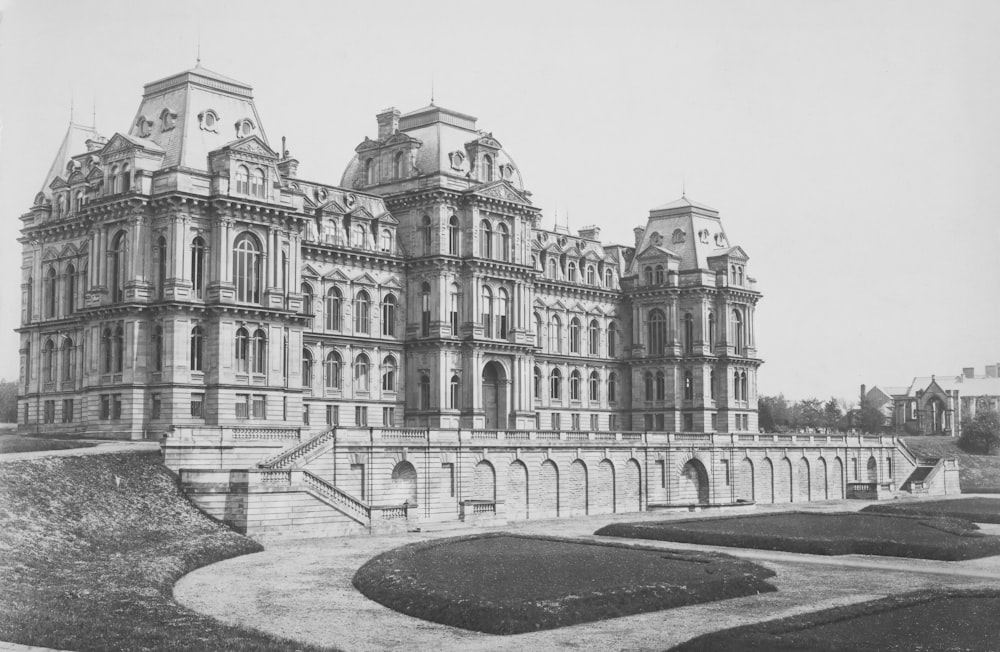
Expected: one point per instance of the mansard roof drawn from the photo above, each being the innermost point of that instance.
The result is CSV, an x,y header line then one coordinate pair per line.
x,y
73,143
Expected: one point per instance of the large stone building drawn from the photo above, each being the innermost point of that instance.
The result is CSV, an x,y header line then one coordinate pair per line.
x,y
180,273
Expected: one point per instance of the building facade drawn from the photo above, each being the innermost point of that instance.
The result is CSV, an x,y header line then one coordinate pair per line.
x,y
937,405
181,274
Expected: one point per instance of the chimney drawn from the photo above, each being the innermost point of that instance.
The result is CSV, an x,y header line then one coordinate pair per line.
x,y
639,230
969,372
388,122
590,233
991,370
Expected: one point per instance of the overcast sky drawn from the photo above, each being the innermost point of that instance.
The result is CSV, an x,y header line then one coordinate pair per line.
x,y
852,148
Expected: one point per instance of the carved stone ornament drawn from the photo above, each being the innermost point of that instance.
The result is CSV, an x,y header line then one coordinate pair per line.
x,y
656,239
457,159
143,127
720,239
168,120
351,200
503,192
703,235
208,120
678,237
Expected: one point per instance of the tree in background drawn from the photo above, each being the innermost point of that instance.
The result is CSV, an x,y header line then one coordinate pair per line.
x,y
981,433
772,413
832,413
811,413
8,401
871,418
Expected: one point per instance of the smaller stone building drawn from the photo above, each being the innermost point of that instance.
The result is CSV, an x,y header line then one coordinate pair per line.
x,y
936,405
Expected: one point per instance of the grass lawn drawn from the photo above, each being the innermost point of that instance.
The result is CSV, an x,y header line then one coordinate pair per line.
x,y
14,443
977,510
88,566
845,533
976,473
926,620
509,584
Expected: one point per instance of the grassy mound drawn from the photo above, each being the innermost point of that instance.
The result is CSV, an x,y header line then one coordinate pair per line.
x,y
925,620
89,563
977,510
976,473
508,584
14,443
847,533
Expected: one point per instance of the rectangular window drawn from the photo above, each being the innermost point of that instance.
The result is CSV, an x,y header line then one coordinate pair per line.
x,y
105,406
725,469
154,408
116,406
242,406
388,417
855,469
594,422
556,421
67,413
305,415
658,423
662,472
259,406
449,477
613,422
575,421
714,418
333,415
688,422
647,421
49,414
361,415
284,408
198,405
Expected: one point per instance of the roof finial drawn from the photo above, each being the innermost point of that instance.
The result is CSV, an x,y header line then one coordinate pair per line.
x,y
432,90
93,117
683,188
197,61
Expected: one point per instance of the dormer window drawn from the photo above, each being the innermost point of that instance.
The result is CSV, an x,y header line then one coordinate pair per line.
x,y
168,120
207,120
243,180
143,127
397,166
244,128
677,237
369,172
487,168
257,182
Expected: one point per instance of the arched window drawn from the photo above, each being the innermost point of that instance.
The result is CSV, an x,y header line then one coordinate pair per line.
x,y
612,339
555,384
609,278
538,384
503,309
648,378
397,166
485,240
307,367
116,271
553,269
426,233
657,332
49,361
197,338
594,337
688,386
503,242
333,365
487,320
246,268
453,236
743,386
425,392
158,348
107,353
358,238
555,335
112,186
361,373
595,387
591,275
711,330
571,272
362,316
334,302
119,349
257,183
487,168
198,267
688,333
369,172
711,383
29,299
308,300
126,178
389,316
574,335
649,275
242,351
243,180
70,290
574,385
736,386
425,309
389,374
659,275
453,308
161,266
539,330
454,393
385,241
739,334
68,360
259,351
50,293
80,199
612,387
661,386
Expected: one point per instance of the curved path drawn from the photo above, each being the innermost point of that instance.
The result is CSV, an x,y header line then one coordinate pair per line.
x,y
302,589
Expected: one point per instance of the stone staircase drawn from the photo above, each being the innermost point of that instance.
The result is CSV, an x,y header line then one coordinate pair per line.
x,y
300,454
922,476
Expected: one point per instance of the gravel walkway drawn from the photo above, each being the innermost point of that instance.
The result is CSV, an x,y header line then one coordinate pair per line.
x,y
302,589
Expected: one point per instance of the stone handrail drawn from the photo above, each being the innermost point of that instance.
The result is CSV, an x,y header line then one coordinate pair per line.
x,y
337,497
402,433
289,457
266,433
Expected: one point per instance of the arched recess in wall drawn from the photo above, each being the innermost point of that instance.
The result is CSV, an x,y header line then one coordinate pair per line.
x,y
783,486
518,494
548,490
821,486
803,481
576,499
631,487
745,485
404,484
837,479
872,469
484,485
495,395
693,487
766,481
604,488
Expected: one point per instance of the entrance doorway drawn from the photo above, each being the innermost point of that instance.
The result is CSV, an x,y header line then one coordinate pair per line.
x,y
495,396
